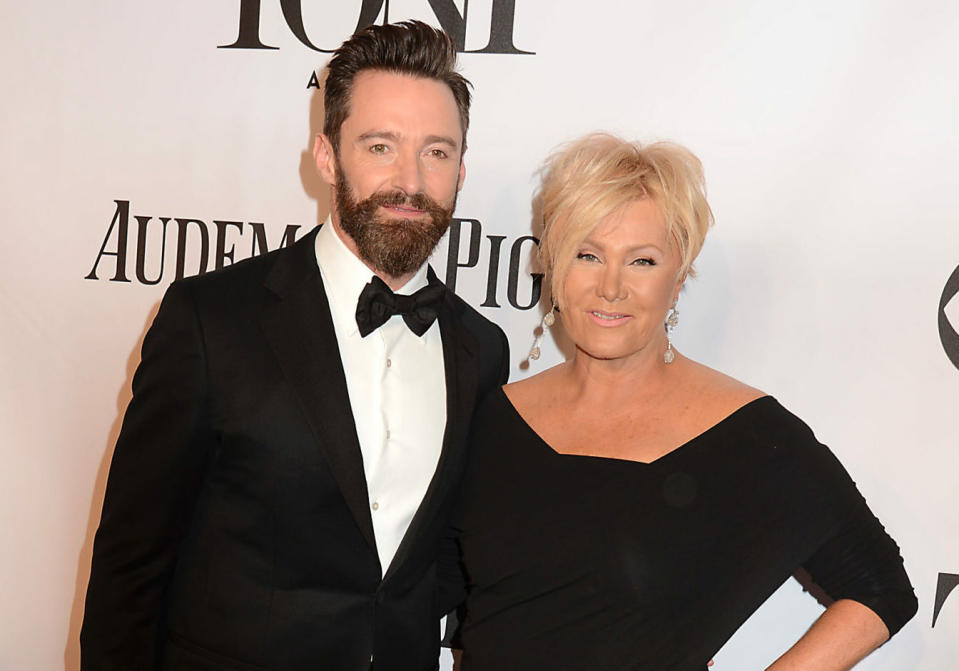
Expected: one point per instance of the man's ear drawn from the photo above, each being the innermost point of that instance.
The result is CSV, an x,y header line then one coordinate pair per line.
x,y
325,158
462,176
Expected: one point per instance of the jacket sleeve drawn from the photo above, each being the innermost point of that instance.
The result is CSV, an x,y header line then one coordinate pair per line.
x,y
452,585
450,574
154,477
504,361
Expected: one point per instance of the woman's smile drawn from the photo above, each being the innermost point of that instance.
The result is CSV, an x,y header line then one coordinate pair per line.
x,y
608,319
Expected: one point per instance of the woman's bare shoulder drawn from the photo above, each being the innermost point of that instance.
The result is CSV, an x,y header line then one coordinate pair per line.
x,y
534,389
719,390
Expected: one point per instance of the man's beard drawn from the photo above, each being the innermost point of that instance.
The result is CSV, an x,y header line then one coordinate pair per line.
x,y
395,247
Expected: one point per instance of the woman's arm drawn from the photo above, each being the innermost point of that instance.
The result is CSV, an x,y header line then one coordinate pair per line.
x,y
841,637
856,565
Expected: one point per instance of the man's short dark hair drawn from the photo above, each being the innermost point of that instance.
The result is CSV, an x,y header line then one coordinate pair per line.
x,y
409,47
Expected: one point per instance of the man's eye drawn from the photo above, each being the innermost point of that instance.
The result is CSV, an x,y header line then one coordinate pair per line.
x,y
438,153
586,256
378,148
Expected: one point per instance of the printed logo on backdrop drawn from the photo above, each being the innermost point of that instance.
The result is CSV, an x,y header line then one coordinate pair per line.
x,y
445,12
945,586
136,252
949,318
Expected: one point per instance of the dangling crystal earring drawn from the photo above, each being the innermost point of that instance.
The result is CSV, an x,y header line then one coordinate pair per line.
x,y
672,319
548,320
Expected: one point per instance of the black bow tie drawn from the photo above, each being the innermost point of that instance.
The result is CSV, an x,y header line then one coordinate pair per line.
x,y
378,303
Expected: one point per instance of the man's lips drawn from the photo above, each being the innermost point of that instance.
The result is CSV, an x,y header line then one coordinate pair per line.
x,y
604,318
405,210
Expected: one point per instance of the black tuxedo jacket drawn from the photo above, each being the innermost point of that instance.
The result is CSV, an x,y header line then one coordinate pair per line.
x,y
236,531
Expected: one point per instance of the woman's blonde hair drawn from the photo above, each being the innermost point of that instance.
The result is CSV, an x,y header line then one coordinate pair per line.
x,y
601,174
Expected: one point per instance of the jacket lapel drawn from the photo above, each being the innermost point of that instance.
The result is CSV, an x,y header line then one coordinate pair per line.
x,y
459,359
299,328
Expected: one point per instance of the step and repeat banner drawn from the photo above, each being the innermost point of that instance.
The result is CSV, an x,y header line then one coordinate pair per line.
x,y
148,141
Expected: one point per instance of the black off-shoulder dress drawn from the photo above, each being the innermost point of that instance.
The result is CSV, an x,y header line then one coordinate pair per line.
x,y
577,562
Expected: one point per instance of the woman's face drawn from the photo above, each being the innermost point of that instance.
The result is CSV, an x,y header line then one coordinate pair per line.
x,y
621,284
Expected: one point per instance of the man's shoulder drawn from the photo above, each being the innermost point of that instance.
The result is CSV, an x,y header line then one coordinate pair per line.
x,y
493,347
471,318
237,278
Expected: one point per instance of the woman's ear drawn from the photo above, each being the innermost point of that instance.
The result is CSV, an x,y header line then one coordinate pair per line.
x,y
679,287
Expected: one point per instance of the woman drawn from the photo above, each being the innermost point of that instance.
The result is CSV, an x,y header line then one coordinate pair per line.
x,y
630,508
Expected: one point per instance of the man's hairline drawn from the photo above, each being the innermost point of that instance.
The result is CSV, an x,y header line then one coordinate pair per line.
x,y
411,75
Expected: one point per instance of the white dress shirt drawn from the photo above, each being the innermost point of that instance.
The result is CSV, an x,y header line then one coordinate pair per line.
x,y
397,387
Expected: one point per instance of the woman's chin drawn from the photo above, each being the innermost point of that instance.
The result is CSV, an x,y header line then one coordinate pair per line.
x,y
608,351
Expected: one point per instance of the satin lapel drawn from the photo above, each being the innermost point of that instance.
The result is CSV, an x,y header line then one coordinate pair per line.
x,y
300,330
459,360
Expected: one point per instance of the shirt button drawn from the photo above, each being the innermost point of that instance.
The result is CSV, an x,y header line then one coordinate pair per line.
x,y
376,505
389,363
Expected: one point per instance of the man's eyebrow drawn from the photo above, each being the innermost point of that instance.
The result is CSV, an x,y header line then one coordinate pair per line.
x,y
441,139
379,135
395,137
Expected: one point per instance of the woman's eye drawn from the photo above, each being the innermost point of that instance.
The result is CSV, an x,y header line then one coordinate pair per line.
x,y
644,262
586,256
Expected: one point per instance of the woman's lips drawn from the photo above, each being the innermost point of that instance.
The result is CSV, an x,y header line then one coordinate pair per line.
x,y
603,318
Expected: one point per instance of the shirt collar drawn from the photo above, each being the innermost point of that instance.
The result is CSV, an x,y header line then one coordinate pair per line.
x,y
345,275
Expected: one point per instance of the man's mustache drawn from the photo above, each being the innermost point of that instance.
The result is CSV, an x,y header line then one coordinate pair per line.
x,y
419,201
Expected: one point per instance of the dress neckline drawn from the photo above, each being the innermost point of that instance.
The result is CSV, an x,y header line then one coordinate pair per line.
x,y
596,457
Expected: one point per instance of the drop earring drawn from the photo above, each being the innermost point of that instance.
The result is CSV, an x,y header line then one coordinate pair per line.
x,y
548,320
672,319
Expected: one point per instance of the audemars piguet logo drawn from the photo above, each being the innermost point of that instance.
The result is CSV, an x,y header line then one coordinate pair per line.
x,y
194,254
446,13
521,298
949,318
946,584
146,249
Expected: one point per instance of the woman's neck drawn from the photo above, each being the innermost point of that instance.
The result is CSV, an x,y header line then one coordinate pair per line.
x,y
605,381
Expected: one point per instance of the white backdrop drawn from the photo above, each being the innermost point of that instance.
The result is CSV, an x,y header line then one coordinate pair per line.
x,y
829,136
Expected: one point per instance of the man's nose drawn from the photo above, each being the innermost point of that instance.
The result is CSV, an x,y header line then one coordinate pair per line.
x,y
408,175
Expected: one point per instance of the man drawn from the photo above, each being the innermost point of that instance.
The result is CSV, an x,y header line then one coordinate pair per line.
x,y
297,431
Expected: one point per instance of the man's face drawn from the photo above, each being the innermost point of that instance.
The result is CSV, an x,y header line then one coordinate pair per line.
x,y
398,169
